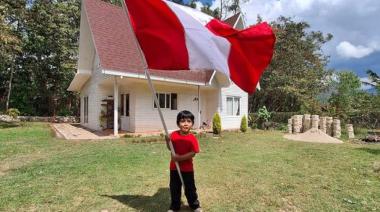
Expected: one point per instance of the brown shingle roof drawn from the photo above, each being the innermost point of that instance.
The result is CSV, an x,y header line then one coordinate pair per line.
x,y
115,45
232,20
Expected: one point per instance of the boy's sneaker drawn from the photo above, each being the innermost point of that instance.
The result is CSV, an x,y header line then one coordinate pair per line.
x,y
198,210
170,210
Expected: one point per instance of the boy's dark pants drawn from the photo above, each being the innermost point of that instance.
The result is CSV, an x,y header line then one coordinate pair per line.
x,y
190,190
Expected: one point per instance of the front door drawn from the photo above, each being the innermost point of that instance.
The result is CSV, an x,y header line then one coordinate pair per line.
x,y
124,111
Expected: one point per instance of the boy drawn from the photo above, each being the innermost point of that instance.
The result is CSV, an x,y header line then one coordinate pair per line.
x,y
185,146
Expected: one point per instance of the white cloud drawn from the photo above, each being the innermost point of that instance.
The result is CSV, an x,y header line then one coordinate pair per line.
x,y
347,50
351,21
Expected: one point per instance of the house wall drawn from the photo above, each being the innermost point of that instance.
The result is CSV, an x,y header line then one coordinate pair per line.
x,y
146,117
232,122
95,94
210,105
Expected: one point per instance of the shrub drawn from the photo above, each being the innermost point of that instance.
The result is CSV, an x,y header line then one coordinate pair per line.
x,y
216,124
65,112
279,117
13,112
243,124
282,127
264,114
128,136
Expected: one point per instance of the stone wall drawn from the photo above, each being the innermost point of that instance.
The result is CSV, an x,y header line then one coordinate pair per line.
x,y
56,119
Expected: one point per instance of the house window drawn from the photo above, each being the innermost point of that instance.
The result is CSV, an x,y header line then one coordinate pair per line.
x,y
85,108
233,106
173,101
124,105
166,100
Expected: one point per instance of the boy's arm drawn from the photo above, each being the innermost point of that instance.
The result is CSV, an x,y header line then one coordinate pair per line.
x,y
186,156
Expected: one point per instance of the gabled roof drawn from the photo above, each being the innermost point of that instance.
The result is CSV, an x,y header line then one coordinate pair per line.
x,y
233,19
114,43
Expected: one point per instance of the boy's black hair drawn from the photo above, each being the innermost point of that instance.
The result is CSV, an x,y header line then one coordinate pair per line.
x,y
185,114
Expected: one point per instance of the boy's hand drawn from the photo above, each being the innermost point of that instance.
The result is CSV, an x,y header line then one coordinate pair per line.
x,y
176,158
187,156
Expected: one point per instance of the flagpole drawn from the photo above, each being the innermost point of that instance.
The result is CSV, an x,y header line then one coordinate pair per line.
x,y
147,74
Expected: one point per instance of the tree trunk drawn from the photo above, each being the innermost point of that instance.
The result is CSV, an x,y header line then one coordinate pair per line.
x,y
9,90
221,9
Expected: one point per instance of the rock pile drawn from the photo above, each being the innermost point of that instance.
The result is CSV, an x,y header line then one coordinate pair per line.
x,y
331,127
8,119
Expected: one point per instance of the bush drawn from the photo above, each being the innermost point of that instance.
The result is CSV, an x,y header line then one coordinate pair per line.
x,y
370,120
243,124
13,112
264,114
282,127
65,112
279,117
216,124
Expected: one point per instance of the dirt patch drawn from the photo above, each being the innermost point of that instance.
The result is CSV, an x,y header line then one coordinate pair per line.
x,y
313,136
288,206
13,163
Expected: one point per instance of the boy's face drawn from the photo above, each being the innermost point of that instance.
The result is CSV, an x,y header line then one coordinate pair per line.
x,y
185,125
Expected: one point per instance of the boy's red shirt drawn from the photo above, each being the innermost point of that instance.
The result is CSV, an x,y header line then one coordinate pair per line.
x,y
184,144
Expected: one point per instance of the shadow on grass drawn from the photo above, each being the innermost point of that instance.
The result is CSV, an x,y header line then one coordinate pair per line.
x,y
160,201
369,150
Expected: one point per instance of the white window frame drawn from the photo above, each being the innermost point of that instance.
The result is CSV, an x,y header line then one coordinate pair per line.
x,y
233,100
170,100
124,104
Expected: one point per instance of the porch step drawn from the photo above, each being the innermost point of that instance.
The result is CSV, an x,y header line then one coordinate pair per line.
x,y
71,132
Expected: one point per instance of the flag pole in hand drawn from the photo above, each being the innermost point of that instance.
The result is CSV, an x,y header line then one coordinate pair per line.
x,y
147,75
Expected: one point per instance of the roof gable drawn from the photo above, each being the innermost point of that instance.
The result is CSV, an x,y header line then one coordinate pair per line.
x,y
234,20
112,35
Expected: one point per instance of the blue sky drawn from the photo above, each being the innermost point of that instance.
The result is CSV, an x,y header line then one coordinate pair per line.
x,y
356,42
203,1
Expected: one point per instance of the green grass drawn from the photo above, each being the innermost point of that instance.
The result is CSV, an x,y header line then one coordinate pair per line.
x,y
256,171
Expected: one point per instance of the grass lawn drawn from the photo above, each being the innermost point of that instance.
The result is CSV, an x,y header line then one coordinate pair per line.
x,y
256,171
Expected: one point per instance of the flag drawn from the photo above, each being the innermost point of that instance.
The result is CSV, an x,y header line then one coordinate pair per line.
x,y
175,37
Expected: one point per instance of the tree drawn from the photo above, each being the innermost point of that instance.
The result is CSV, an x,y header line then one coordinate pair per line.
x,y
48,33
297,73
207,9
375,80
52,47
229,7
346,94
11,12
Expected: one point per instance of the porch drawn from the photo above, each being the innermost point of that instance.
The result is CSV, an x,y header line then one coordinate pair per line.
x,y
130,101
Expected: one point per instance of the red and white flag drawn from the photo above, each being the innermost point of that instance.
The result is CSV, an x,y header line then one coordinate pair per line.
x,y
175,37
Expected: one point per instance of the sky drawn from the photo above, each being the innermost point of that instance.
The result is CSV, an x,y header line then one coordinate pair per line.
x,y
354,25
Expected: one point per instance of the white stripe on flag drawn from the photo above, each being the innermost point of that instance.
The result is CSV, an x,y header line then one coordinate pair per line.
x,y
205,49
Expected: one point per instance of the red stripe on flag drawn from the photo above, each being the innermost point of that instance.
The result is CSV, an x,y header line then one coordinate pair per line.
x,y
160,34
251,52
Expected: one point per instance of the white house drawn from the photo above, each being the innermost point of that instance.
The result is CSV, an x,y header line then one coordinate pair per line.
x,y
112,84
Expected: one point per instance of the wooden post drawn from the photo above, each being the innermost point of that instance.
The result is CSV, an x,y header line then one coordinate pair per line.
x,y
115,107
